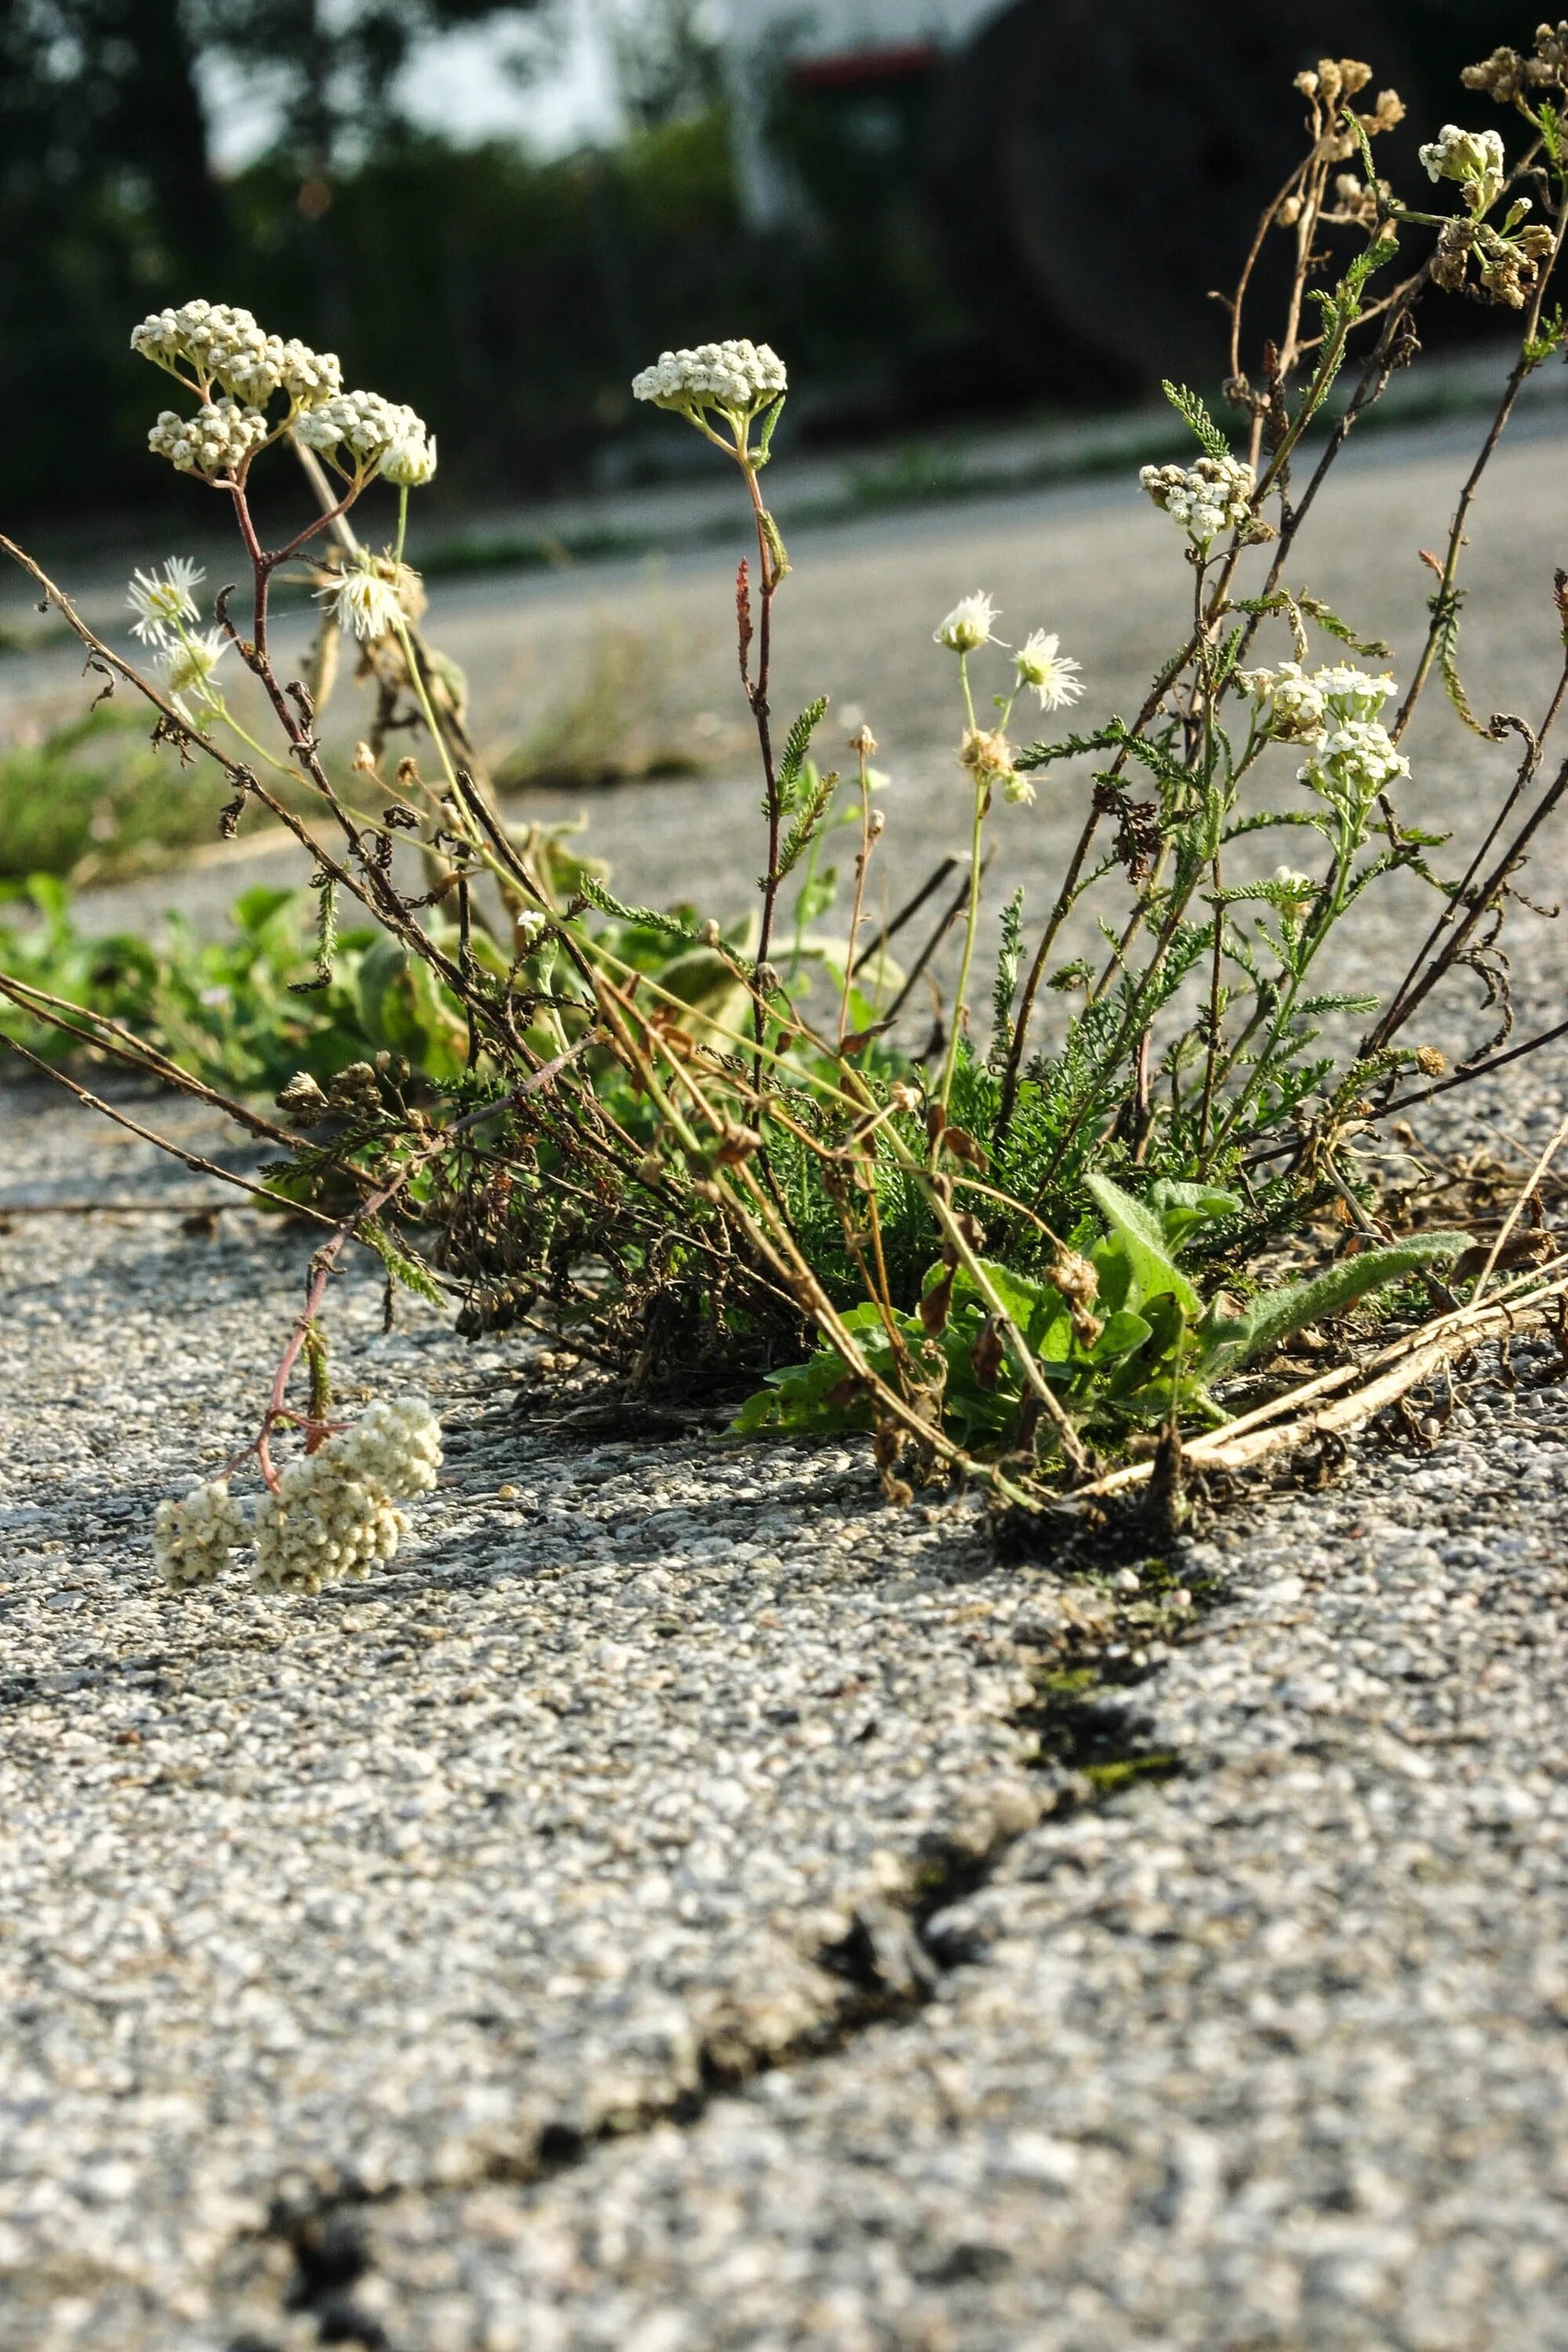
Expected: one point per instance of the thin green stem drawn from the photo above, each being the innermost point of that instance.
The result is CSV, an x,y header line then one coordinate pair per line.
x,y
982,798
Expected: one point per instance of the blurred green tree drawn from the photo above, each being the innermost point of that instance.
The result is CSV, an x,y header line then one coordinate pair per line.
x,y
104,193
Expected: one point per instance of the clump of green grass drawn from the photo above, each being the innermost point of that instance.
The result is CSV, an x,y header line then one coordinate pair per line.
x,y
88,798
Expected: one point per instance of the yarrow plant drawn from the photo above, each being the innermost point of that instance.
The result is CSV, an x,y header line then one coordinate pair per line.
x,y
692,1150
1207,497
328,1515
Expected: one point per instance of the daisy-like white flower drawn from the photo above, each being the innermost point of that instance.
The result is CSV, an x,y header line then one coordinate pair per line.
x,y
188,664
364,600
969,626
1054,675
162,599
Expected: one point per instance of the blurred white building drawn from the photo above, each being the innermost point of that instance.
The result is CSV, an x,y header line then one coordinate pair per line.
x,y
829,44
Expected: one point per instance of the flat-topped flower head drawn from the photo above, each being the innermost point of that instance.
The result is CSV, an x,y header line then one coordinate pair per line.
x,y
161,599
323,1524
969,626
1355,762
395,1444
739,379
208,343
217,441
335,1512
360,433
1474,157
1054,675
1348,693
1212,495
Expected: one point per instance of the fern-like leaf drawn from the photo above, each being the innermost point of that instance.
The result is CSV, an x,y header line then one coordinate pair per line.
x,y
1191,409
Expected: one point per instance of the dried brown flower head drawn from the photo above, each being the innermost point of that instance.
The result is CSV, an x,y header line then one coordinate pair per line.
x,y
1504,76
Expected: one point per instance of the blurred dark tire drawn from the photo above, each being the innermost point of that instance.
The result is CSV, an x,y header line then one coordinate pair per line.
x,y
1097,166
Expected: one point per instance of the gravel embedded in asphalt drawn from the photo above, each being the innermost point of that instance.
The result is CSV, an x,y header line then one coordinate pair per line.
x,y
530,1947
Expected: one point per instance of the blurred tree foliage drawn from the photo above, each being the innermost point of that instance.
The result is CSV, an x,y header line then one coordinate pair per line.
x,y
510,298
105,203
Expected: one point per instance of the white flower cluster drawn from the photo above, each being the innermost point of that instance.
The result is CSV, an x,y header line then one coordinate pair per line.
x,y
395,1444
738,377
223,345
334,1514
205,344
192,1540
217,439
969,626
1206,497
1291,705
1353,763
379,436
1335,713
1297,709
1474,157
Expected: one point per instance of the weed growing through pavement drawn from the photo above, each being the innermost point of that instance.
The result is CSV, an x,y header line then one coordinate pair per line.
x,y
1031,1249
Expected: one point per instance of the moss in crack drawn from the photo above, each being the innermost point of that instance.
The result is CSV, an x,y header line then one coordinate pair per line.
x,y
1120,1772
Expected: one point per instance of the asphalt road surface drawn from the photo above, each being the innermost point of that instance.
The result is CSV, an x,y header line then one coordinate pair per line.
x,y
642,1919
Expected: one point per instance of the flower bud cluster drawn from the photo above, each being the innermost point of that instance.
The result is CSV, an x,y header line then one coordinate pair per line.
x,y
1293,889
1206,497
334,1512
395,1444
192,1540
1296,708
323,1524
217,440
221,344
740,378
360,432
1291,705
1474,157
1505,75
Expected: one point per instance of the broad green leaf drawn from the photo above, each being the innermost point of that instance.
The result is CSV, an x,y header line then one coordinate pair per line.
x,y
1233,1340
1144,1237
